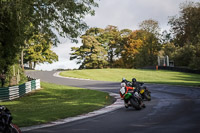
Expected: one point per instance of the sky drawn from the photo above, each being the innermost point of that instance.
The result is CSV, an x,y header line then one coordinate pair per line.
x,y
125,14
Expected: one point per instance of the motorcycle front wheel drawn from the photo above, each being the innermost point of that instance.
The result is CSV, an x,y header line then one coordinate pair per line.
x,y
147,96
135,104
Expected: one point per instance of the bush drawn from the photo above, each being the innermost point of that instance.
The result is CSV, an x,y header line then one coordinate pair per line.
x,y
12,75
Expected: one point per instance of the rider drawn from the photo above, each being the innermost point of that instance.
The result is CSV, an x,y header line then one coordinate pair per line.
x,y
128,87
136,85
128,83
124,80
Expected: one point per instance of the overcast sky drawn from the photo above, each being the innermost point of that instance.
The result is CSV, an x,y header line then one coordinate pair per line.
x,y
125,14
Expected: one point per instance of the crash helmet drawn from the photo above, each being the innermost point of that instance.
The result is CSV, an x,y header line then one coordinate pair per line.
x,y
123,85
123,79
133,80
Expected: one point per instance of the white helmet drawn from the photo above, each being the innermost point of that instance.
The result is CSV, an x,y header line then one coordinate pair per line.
x,y
123,79
123,84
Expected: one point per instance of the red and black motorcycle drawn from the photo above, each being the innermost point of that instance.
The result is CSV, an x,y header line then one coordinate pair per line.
x,y
6,125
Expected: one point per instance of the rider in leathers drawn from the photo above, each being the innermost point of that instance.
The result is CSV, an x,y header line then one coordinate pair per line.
x,y
135,85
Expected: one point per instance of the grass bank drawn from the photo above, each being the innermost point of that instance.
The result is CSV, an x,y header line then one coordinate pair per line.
x,y
55,102
148,76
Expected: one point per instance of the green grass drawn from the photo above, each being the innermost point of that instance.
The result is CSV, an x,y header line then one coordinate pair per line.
x,y
55,102
147,76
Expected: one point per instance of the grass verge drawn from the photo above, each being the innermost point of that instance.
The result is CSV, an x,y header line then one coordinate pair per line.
x,y
147,76
55,102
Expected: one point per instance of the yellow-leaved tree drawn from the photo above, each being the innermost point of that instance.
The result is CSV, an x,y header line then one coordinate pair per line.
x,y
38,50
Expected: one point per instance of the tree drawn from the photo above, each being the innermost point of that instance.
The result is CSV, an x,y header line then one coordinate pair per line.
x,y
169,50
184,55
9,34
151,26
149,50
131,49
186,27
195,63
114,41
108,42
120,51
91,54
38,50
112,35
166,37
116,48
19,19
186,31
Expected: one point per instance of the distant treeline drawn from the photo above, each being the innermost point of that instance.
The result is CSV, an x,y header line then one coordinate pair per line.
x,y
114,48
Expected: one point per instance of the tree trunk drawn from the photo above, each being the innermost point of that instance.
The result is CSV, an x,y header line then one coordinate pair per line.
x,y
30,65
22,59
34,65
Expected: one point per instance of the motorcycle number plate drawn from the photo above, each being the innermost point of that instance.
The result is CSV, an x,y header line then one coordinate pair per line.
x,y
122,90
142,91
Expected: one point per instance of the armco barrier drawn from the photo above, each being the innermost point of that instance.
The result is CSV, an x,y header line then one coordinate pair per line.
x,y
10,93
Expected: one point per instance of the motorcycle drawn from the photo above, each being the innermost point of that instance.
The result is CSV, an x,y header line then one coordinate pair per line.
x,y
6,125
131,97
145,93
142,90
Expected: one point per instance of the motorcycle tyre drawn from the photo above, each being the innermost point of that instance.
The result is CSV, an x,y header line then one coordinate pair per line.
x,y
135,104
14,129
147,96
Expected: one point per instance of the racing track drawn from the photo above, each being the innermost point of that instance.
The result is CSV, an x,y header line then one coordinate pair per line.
x,y
173,109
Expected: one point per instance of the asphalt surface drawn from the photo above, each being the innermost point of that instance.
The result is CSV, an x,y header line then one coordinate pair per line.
x,y
173,109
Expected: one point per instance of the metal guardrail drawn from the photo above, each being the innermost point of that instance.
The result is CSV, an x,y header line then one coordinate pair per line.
x,y
10,93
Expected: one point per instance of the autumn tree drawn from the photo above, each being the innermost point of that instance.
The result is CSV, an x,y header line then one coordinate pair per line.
x,y
120,48
147,44
131,49
120,51
149,50
108,43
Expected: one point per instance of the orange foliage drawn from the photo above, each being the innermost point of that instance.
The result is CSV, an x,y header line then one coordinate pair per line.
x,y
133,44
